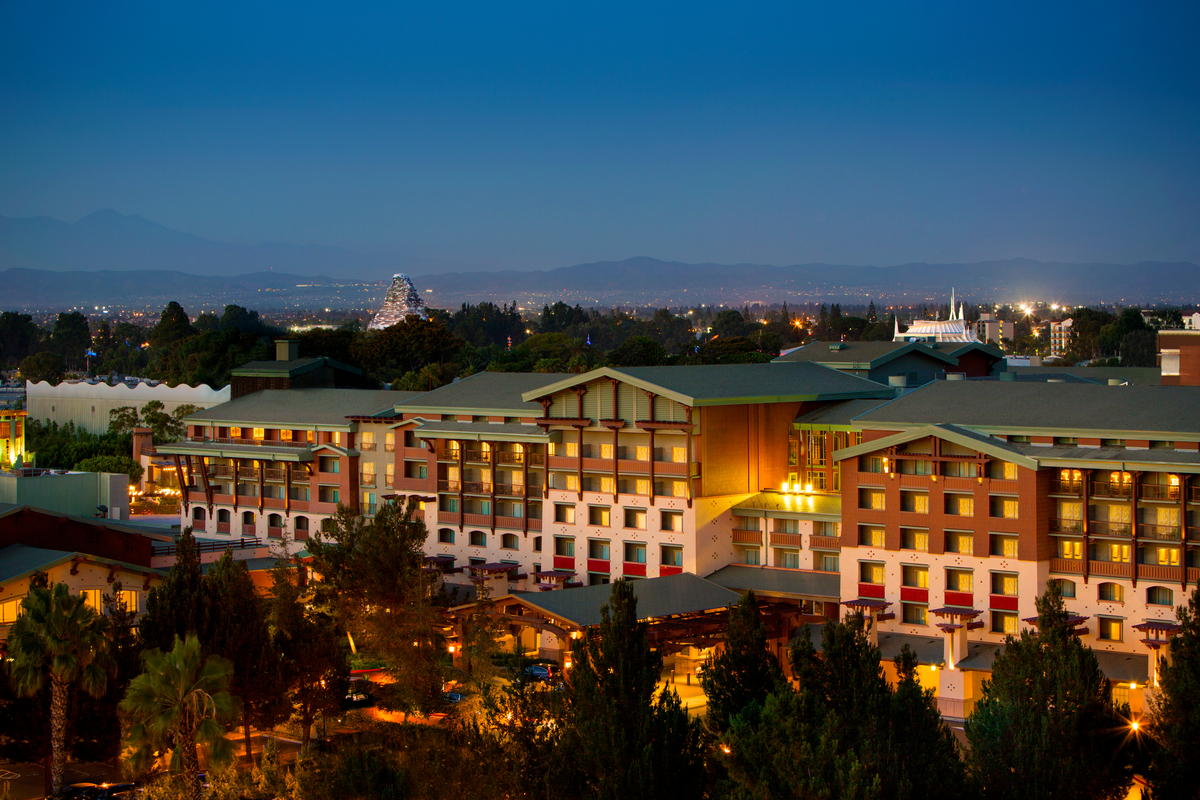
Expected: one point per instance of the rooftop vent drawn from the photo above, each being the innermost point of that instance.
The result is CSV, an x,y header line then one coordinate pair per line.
x,y
1116,381
956,376
287,349
898,381
1007,376
838,346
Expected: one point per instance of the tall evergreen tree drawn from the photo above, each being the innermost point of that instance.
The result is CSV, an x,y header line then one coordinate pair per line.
x,y
871,318
1046,726
1175,710
631,741
178,606
745,670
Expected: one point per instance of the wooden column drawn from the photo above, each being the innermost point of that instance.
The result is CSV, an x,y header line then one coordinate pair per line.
x,y
183,482
1133,526
615,442
579,461
651,432
492,482
524,489
236,462
690,489
208,492
546,471
1085,487
287,489
1183,512
462,506
262,468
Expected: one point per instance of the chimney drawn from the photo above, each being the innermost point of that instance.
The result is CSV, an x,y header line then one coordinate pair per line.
x,y
956,376
287,349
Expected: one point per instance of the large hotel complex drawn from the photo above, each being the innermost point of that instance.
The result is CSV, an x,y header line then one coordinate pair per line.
x,y
939,510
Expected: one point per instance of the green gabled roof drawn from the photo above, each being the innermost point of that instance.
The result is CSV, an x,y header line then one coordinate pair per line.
x,y
1156,460
485,394
19,561
862,355
778,581
324,408
840,414
1139,376
950,433
732,384
288,369
957,349
656,597
1051,409
483,431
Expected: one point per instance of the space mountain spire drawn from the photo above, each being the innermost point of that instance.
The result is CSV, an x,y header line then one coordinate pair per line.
x,y
401,301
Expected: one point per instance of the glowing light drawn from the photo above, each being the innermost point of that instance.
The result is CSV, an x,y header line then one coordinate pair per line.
x,y
785,487
808,488
1135,725
725,749
1133,685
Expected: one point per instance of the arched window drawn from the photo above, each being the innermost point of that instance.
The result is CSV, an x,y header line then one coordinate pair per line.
x,y
478,538
223,515
1160,596
248,518
509,541
275,521
1066,587
301,523
1111,592
446,536
198,515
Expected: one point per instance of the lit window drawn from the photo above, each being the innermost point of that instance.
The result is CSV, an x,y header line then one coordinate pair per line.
x,y
9,609
642,487
1010,471
129,599
915,614
606,451
1168,556
572,449
1004,622
635,518
1110,630
679,455
1071,550
642,452
914,540
608,485
1004,585
915,577
573,483
1119,553
672,521
871,537
93,599
679,489
870,573
598,516
962,543
959,580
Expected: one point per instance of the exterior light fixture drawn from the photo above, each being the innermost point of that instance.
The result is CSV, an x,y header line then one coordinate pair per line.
x,y
785,487
1133,685
1135,725
725,748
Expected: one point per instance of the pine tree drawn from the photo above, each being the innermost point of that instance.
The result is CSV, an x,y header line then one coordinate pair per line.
x,y
178,606
1175,722
1045,726
745,670
871,313
631,741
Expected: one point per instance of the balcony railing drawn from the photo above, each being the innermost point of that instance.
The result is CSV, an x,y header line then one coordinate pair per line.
x,y
220,470
1158,491
1166,533
449,486
248,442
389,447
743,536
1102,528
274,474
367,481
209,546
1072,488
366,446
1066,526
1109,489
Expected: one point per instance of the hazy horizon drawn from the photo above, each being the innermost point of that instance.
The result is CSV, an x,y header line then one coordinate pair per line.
x,y
492,138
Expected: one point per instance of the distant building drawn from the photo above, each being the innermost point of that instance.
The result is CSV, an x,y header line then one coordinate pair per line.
x,y
1179,357
87,405
289,371
899,363
1060,336
79,494
955,329
989,328
401,301
12,437
1192,323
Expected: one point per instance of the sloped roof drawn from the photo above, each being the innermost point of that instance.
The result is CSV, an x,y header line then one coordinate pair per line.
x,y
1052,407
791,506
732,384
305,407
951,433
481,431
841,413
657,597
862,355
19,560
289,369
1120,667
929,649
1139,376
777,581
484,393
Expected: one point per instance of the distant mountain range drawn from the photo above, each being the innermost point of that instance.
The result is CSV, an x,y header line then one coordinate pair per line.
x,y
110,258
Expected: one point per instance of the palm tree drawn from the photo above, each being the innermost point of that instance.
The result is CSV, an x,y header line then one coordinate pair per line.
x,y
179,703
58,636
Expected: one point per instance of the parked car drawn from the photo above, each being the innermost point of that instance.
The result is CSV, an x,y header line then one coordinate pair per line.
x,y
452,697
112,791
543,673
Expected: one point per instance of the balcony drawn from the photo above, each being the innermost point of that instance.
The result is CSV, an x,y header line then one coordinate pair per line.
x,y
1111,569
367,481
476,487
515,490
448,517
449,486
1071,488
1100,528
1109,489
1164,533
366,446
275,474
780,539
1158,491
1066,526
1159,572
220,470
825,543
1069,566
744,536
389,447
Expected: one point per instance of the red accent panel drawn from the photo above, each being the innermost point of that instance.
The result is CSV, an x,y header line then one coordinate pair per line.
x,y
965,599
564,562
911,594
666,570
630,568
597,565
870,590
1003,602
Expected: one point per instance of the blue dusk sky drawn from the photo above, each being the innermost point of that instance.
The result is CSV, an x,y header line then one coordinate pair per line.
x,y
533,136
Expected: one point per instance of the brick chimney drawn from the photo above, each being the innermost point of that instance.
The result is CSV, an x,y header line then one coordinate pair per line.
x,y
287,349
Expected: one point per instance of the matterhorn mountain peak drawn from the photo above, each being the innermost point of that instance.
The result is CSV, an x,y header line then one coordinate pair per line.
x,y
401,301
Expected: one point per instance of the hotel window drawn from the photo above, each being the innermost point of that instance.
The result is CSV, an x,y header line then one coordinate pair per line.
x,y
1004,507
960,580
1117,553
816,480
1004,622
448,504
641,452
129,599
787,526
446,536
635,518
1010,471
598,515
961,469
914,502
1004,584
915,613
327,494
816,449
793,452
1112,442
570,449
672,521
235,433
564,513
750,556
1070,549
389,442
478,538
678,488
564,546
572,483
871,498
537,545
1005,546
1109,629
870,537
1160,596
914,577
93,599
635,553
1111,592
285,435
608,485
1120,694
338,438
9,609
829,563
672,556
679,455
642,487
1065,587
389,474
960,505
869,572
874,464
606,451
913,539
329,464
1161,555
1166,517
598,549
410,438
788,559
910,466
368,473
961,543
509,541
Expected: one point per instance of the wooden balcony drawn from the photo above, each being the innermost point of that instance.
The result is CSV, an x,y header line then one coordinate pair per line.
x,y
1069,566
275,474
1066,526
1069,488
1163,533
779,539
1159,572
825,543
742,536
1158,491
1111,569
1109,489
1113,529
448,517
477,520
